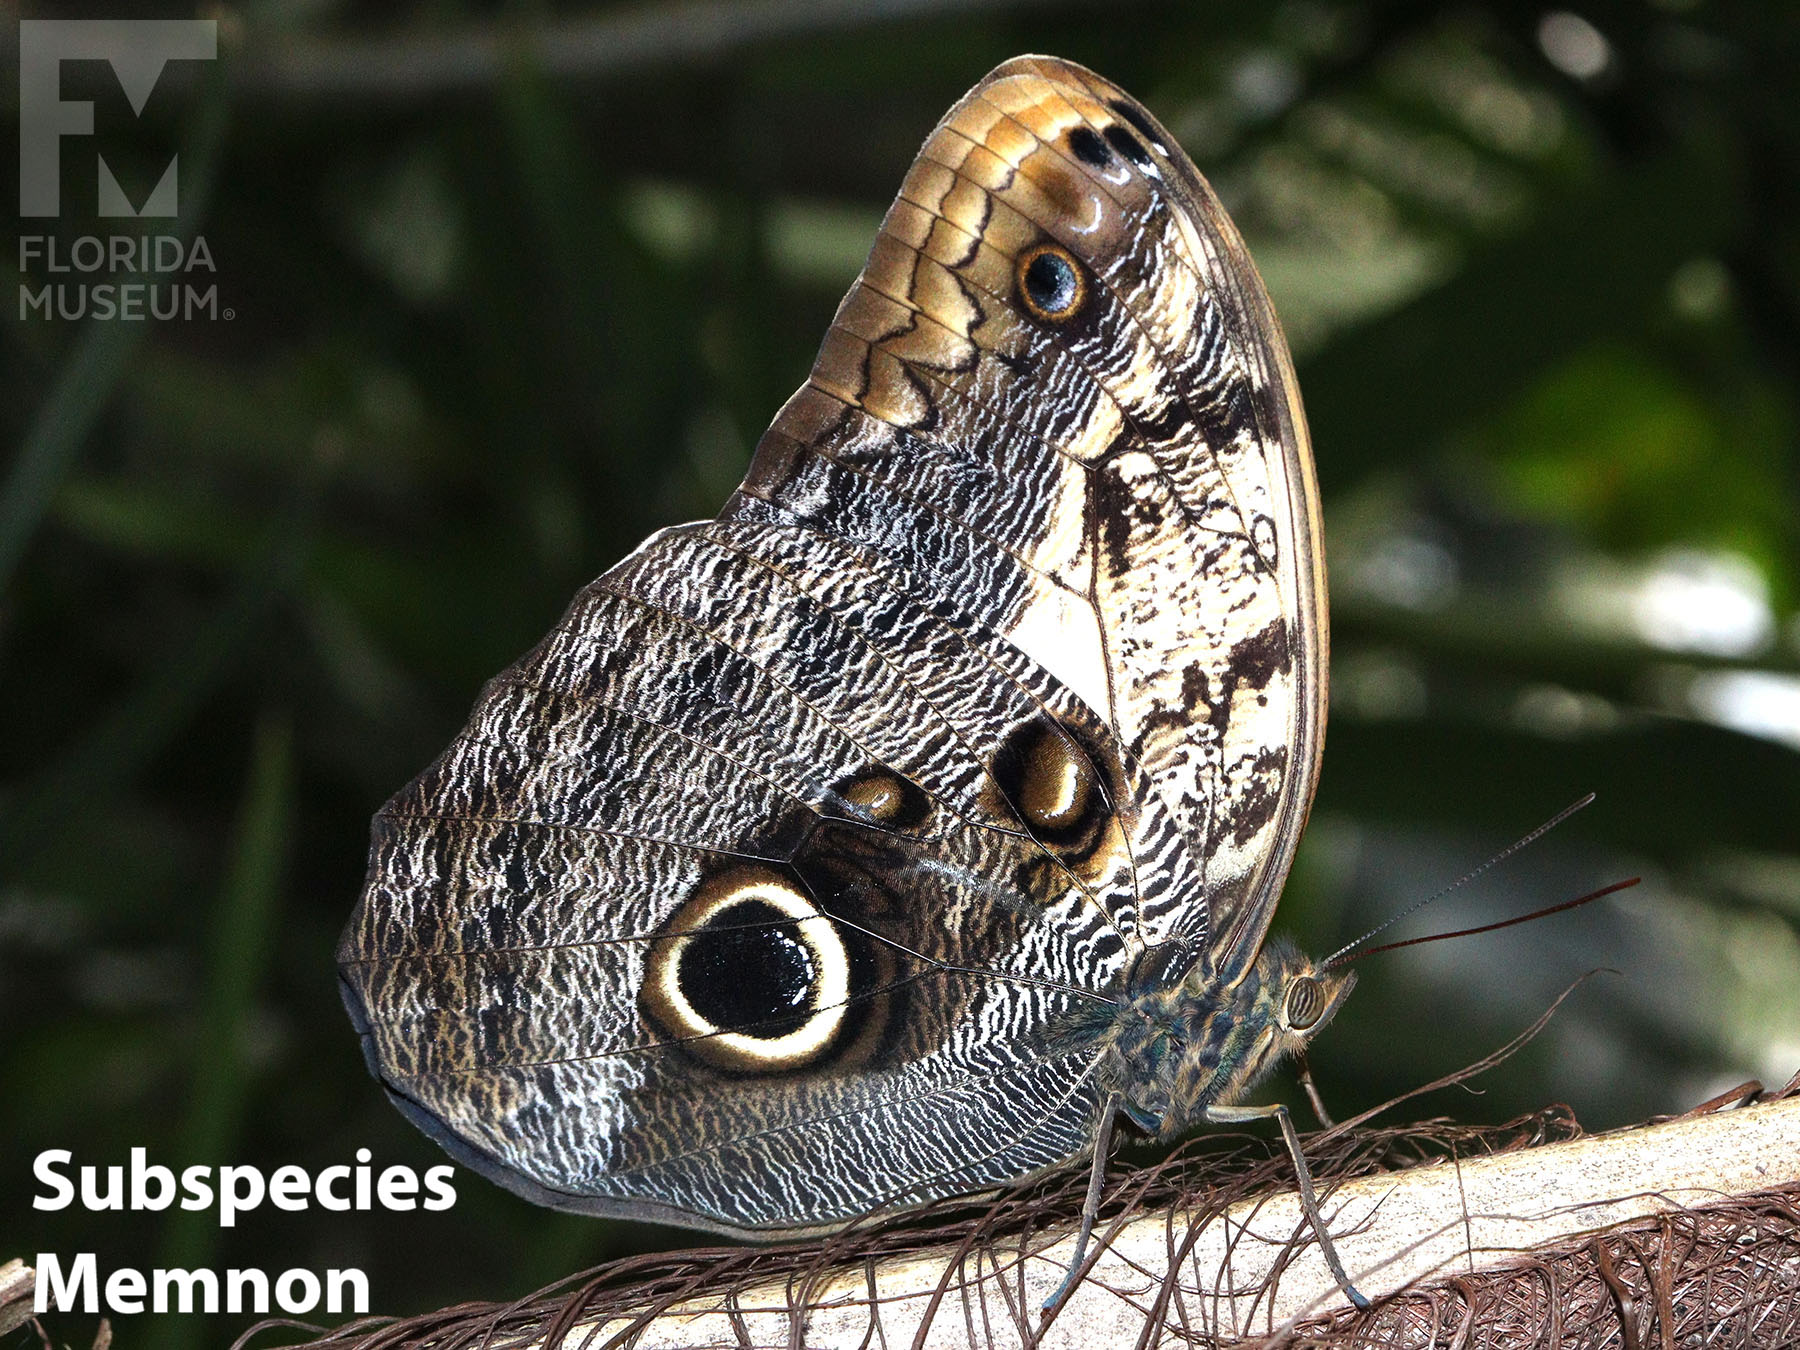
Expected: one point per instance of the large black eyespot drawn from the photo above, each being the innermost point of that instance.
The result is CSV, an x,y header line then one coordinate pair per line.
x,y
1305,1003
747,966
1051,282
749,974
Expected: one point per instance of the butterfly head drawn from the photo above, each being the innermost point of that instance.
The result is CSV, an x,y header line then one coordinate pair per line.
x,y
1301,997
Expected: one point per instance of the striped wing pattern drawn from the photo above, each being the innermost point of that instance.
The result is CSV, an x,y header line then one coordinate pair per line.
x,y
1003,666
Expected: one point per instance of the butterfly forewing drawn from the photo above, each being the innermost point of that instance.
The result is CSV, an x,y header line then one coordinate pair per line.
x,y
1148,453
781,882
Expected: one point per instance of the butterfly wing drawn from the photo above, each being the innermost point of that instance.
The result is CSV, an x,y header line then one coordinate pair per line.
x,y
1130,487
713,915
773,887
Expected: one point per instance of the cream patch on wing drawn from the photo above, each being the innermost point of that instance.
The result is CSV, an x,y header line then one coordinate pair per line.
x,y
1062,634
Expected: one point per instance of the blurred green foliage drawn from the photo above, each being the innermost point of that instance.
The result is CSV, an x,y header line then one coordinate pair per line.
x,y
1542,274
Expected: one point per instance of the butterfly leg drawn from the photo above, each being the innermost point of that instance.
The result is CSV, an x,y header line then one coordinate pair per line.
x,y
1239,1115
1090,1207
1303,1071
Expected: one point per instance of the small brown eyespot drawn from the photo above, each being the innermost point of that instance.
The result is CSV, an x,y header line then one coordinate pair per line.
x,y
884,798
1045,779
1051,282
1056,785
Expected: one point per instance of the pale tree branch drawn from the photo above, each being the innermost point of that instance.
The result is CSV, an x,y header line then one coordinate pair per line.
x,y
1691,1223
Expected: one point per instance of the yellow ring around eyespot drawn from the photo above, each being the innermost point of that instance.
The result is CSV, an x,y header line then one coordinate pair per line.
x,y
1076,300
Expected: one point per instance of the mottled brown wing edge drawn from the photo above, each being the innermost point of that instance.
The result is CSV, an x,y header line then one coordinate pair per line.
x,y
1237,936
490,1168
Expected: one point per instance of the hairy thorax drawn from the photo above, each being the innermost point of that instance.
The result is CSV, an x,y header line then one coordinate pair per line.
x,y
1173,1049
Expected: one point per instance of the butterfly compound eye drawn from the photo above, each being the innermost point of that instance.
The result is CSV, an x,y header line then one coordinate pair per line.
x,y
1051,283
1305,1003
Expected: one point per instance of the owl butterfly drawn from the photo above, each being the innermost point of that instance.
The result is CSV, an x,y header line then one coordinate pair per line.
x,y
882,838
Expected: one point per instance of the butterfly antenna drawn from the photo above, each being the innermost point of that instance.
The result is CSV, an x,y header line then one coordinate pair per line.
x,y
1503,923
1464,880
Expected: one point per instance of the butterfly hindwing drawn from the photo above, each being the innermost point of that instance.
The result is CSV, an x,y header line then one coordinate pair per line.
x,y
775,886
582,834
